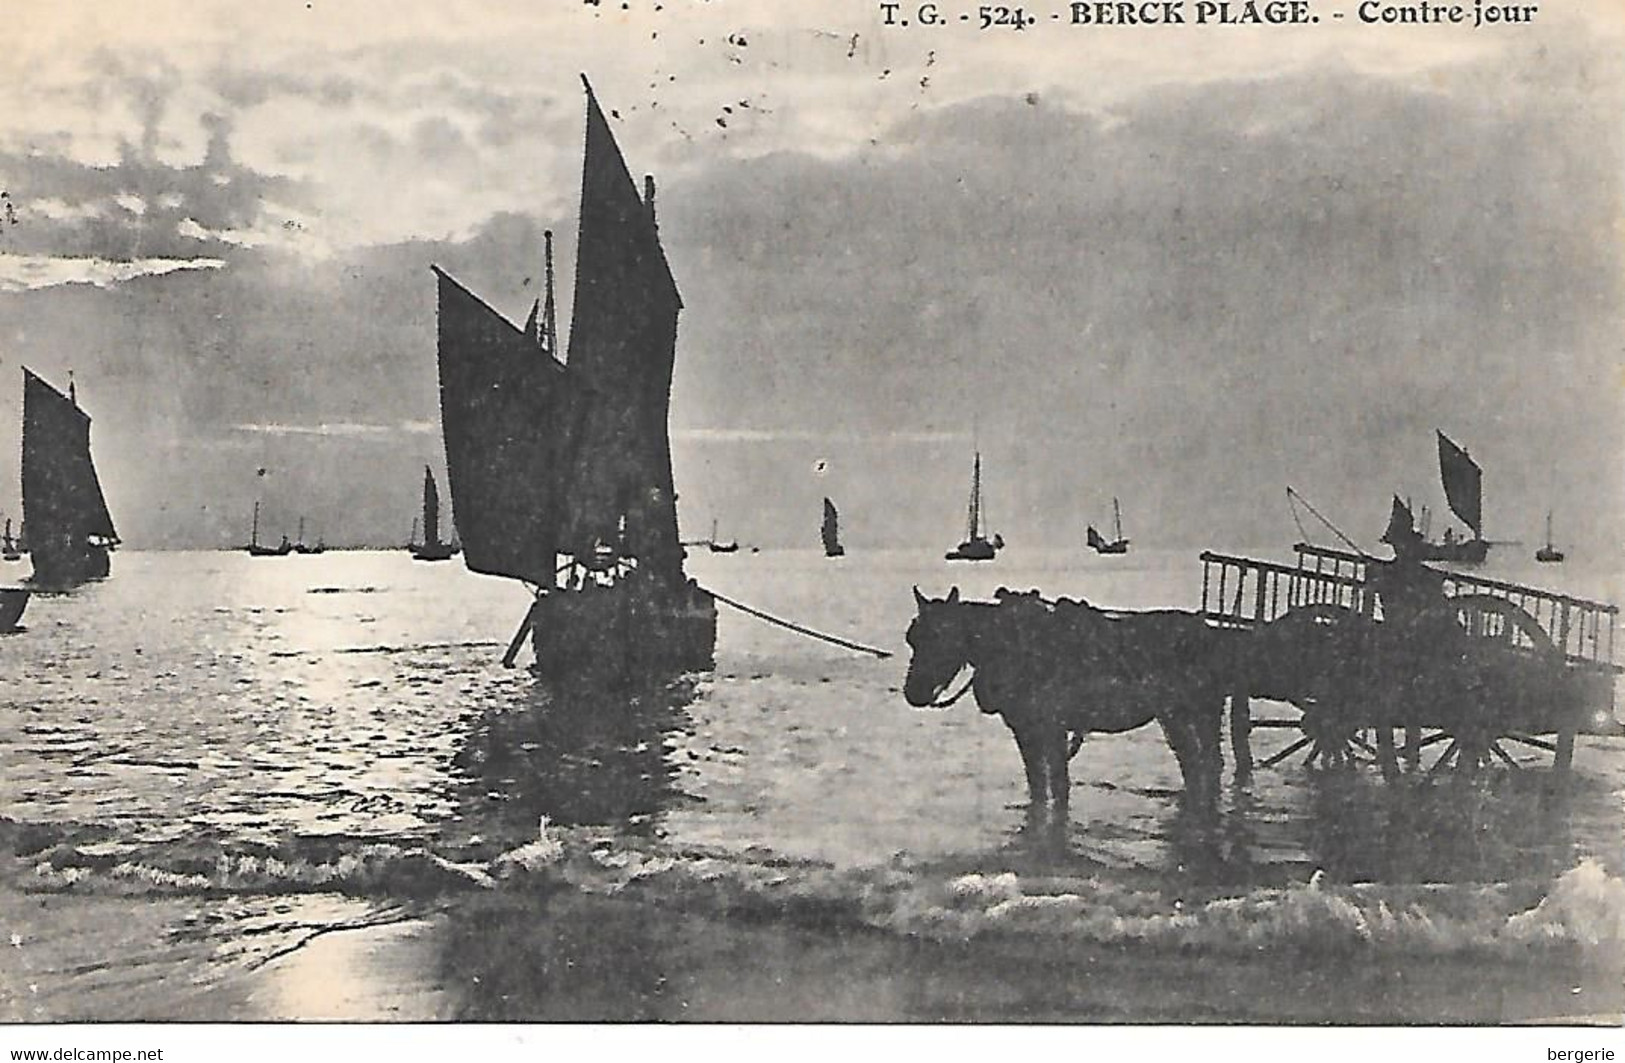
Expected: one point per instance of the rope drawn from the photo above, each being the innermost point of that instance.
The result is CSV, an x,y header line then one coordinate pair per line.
x,y
1352,545
797,628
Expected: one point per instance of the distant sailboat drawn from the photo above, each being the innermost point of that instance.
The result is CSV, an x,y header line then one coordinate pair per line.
x,y
977,546
13,600
831,531
1118,544
8,545
254,549
70,530
301,547
432,549
1549,553
721,546
1464,490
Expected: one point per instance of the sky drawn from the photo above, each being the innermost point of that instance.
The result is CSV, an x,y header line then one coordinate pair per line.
x,y
1181,266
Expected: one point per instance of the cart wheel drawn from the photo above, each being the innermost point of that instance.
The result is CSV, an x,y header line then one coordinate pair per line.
x,y
1486,617
1306,657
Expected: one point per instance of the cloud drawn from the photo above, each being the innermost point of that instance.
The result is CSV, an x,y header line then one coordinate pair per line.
x,y
31,272
342,429
760,435
1185,270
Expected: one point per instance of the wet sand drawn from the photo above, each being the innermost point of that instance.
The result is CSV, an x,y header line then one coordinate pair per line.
x,y
578,958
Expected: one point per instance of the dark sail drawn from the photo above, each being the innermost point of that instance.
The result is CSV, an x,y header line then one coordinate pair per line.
x,y
431,510
505,412
623,337
1093,537
1401,525
62,498
547,459
831,530
1463,484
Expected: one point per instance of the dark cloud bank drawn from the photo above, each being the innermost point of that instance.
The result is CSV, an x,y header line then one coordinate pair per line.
x,y
1214,294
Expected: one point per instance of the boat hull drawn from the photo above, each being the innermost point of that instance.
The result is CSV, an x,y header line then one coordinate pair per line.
x,y
434,552
628,632
63,565
973,550
1467,552
13,600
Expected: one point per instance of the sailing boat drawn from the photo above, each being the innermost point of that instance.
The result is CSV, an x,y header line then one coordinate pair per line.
x,y
431,549
720,546
560,472
831,531
301,547
69,529
977,546
13,600
1118,544
1464,491
1549,553
254,549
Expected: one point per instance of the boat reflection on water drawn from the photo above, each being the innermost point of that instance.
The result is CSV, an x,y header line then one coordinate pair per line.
x,y
575,754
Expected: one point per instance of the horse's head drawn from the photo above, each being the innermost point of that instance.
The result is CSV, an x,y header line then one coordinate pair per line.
x,y
939,641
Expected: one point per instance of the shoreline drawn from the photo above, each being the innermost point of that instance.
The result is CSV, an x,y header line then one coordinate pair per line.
x,y
571,957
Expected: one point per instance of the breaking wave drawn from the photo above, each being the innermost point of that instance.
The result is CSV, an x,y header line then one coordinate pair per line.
x,y
1581,911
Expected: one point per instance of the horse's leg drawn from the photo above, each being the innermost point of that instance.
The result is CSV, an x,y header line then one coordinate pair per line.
x,y
1184,736
1060,781
1209,712
1032,762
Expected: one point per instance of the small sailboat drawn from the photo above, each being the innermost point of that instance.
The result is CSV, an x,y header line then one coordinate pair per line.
x,y
1117,544
432,549
1549,554
70,531
13,600
302,547
254,549
977,546
1463,482
721,546
8,545
831,531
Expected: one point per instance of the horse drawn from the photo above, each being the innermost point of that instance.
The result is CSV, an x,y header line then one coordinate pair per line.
x,y
1056,672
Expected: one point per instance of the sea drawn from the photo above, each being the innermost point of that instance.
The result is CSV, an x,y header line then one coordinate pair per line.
x,y
212,760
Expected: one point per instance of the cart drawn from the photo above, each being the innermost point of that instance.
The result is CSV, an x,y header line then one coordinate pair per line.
x,y
1481,667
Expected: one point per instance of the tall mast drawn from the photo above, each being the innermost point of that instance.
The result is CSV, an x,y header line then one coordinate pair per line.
x,y
1117,519
974,517
550,323
254,531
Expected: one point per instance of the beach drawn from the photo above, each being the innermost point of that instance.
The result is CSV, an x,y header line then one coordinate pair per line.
x,y
336,804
